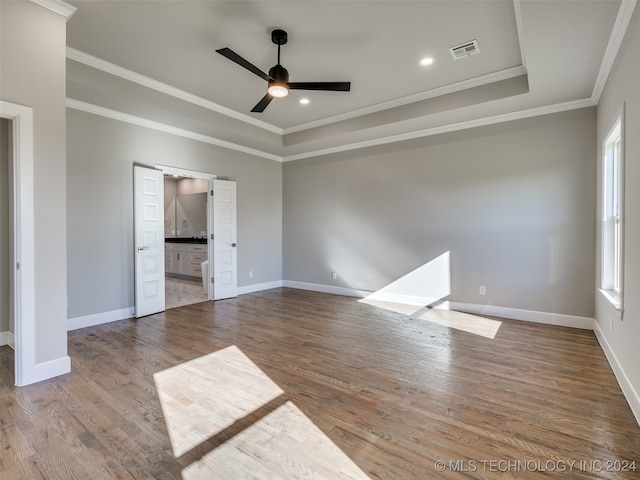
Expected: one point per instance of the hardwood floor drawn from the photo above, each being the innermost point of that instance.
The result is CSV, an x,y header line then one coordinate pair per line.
x,y
287,384
7,378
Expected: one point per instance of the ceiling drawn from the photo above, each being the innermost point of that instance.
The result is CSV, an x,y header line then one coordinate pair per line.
x,y
533,56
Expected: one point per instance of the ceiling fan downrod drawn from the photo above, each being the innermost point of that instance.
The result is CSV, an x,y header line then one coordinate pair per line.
x,y
279,37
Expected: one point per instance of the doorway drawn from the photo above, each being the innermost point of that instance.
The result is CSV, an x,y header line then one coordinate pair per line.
x,y
214,258
186,223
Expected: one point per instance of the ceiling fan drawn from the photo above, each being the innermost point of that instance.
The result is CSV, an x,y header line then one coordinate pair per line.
x,y
278,77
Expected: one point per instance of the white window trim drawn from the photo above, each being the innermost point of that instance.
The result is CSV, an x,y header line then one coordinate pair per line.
x,y
614,294
614,300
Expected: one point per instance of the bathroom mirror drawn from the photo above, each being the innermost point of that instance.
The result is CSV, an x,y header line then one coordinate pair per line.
x,y
185,214
191,215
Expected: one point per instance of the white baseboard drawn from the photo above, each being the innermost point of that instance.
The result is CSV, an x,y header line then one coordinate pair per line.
x,y
258,287
7,338
399,298
46,370
100,318
630,393
547,318
125,313
318,287
491,310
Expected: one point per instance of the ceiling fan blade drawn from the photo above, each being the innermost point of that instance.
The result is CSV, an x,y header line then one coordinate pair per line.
x,y
332,86
234,57
262,104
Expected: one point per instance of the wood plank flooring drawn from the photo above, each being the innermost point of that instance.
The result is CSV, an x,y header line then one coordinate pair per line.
x,y
370,391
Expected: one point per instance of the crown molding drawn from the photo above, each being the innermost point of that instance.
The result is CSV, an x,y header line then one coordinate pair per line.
x,y
480,122
613,47
623,18
163,127
436,92
417,97
108,67
518,13
62,8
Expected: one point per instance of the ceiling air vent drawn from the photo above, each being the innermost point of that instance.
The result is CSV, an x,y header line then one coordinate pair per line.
x,y
465,49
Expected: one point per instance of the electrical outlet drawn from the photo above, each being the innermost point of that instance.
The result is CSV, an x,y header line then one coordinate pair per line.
x,y
483,290
250,273
334,275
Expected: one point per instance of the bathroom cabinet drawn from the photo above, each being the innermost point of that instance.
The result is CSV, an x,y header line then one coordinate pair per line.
x,y
184,258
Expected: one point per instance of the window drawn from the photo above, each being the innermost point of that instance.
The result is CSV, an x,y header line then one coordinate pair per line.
x,y
612,215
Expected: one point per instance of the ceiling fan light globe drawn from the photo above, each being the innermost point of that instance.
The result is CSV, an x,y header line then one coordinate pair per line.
x,y
278,90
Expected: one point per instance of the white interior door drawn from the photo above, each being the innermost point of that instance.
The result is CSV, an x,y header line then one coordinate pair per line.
x,y
225,252
149,240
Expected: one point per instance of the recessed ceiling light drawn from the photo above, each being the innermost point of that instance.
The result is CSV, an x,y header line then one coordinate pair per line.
x,y
304,101
427,61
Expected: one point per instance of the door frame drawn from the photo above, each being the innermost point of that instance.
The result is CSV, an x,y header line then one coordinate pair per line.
x,y
23,240
209,177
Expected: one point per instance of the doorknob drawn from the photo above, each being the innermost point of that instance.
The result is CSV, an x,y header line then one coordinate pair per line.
x,y
143,248
234,245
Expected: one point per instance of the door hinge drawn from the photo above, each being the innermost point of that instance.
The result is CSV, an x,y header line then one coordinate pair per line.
x,y
212,280
212,193
212,236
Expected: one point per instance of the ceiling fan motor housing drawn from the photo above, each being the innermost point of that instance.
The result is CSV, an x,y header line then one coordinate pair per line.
x,y
279,74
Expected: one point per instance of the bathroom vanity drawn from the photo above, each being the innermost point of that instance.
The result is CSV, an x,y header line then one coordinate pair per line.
x,y
184,256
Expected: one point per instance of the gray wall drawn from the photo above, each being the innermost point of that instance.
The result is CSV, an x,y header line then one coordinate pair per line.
x,y
5,158
33,52
513,203
100,158
623,334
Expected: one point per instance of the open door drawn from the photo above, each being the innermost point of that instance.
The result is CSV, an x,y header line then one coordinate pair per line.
x,y
149,240
225,252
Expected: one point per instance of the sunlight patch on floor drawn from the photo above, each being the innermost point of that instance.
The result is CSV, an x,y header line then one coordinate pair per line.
x,y
485,327
216,394
202,397
283,444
